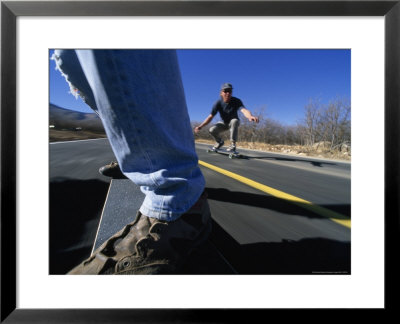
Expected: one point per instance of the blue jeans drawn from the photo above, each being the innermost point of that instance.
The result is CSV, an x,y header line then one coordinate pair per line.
x,y
139,97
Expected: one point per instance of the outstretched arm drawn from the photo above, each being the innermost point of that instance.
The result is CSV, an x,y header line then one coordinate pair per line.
x,y
248,115
204,123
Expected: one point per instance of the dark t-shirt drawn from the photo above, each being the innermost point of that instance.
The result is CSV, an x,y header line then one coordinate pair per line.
x,y
227,111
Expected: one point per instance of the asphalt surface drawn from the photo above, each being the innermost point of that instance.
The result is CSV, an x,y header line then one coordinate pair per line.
x,y
256,233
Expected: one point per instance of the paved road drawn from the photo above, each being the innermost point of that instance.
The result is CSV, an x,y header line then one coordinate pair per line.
x,y
77,195
258,233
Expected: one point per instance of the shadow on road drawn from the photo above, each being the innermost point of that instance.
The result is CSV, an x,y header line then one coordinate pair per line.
x,y
270,202
75,209
306,256
312,162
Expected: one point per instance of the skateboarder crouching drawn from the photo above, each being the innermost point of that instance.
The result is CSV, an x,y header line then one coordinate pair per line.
x,y
227,106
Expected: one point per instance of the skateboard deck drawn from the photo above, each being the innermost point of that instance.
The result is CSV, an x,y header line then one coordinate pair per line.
x,y
123,200
231,155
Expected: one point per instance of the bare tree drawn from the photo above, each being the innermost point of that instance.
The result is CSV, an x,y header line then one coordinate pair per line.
x,y
335,122
250,131
311,121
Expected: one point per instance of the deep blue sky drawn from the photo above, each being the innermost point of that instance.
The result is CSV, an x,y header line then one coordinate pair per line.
x,y
279,82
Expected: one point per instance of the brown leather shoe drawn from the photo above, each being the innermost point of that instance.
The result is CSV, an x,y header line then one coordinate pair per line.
x,y
151,246
112,170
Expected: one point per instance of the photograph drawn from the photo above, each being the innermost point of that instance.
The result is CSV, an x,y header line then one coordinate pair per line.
x,y
204,161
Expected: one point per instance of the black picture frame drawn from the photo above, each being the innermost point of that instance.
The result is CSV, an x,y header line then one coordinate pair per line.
x,y
10,10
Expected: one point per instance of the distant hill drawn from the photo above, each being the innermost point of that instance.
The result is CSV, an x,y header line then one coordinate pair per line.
x,y
62,118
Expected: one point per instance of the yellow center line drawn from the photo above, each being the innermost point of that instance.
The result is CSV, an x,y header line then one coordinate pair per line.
x,y
334,216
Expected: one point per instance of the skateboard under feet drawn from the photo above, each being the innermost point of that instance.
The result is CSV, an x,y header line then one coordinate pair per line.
x,y
231,155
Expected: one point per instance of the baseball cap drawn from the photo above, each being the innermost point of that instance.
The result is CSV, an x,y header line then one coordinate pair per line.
x,y
226,86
